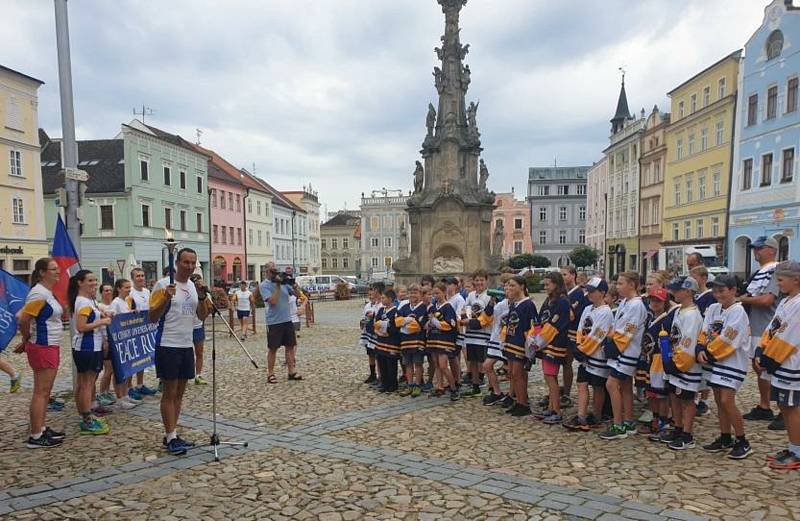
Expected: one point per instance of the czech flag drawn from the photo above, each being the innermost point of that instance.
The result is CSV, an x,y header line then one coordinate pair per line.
x,y
66,257
12,298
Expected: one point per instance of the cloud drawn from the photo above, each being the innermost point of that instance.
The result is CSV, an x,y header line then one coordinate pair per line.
x,y
335,92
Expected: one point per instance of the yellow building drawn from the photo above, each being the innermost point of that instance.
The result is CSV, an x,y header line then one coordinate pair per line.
x,y
699,145
22,226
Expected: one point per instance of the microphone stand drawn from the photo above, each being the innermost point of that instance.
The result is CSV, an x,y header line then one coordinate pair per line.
x,y
215,442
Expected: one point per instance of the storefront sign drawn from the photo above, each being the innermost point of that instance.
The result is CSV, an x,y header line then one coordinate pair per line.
x,y
7,250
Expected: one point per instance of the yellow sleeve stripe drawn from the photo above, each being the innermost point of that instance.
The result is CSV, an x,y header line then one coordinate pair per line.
x,y
779,349
683,360
762,343
34,307
398,321
702,338
413,327
85,311
445,326
588,345
548,333
621,339
720,349
485,320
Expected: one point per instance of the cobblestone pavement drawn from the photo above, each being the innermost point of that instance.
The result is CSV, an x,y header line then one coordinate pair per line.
x,y
328,448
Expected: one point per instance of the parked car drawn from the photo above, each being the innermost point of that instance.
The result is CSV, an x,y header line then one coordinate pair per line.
x,y
357,285
321,283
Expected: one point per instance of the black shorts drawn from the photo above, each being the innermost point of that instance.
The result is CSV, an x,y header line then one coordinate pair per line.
x,y
585,377
682,394
714,385
174,363
242,313
619,376
88,361
296,326
476,353
785,397
455,353
281,335
413,356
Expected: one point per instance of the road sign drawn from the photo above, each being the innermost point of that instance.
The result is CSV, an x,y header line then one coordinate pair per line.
x,y
121,265
76,174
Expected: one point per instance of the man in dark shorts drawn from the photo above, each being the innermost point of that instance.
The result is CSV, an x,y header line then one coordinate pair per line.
x,y
275,290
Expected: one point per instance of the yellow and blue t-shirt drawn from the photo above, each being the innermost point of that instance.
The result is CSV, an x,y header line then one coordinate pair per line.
x,y
46,312
90,340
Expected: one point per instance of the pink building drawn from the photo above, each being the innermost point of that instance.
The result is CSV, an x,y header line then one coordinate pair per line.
x,y
515,217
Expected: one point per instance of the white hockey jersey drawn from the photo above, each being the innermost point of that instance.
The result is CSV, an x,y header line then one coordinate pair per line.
x,y
683,337
781,342
726,339
595,324
630,320
476,303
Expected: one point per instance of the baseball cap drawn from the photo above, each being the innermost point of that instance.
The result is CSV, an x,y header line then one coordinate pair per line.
x,y
763,242
788,269
659,293
451,280
725,281
683,283
597,284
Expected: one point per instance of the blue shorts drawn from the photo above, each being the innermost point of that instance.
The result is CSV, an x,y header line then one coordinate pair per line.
x,y
199,334
88,361
613,373
174,363
785,397
242,314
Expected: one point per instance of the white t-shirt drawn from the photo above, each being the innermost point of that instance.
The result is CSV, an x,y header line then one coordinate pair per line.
x,y
46,312
88,341
243,299
293,308
178,322
141,298
119,306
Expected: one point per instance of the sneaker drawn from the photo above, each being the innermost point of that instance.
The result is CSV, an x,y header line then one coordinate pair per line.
x,y
94,427
416,391
371,378
759,414
101,411
175,447
702,408
134,394
102,399
492,399
741,450
592,421
435,393
427,387
42,442
566,401
681,444
50,433
16,384
576,424
541,415
668,436
777,424
473,391
199,380
614,432
520,410
126,404
506,402
146,391
112,398
646,416
787,461
718,445
779,455
553,419
455,395
186,443
630,426
656,436
405,391
54,405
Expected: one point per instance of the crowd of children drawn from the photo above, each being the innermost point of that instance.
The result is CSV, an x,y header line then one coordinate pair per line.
x,y
674,345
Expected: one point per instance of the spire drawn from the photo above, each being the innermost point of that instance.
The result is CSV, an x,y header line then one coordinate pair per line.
x,y
622,114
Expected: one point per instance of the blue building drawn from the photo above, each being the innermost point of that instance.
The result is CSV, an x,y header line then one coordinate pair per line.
x,y
765,192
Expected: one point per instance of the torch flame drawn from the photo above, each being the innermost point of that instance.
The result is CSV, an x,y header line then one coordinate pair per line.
x,y
168,235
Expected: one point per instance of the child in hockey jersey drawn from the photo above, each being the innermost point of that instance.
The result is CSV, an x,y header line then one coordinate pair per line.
x,y
703,299
779,356
367,332
663,312
457,302
477,328
685,376
427,297
593,327
441,340
724,345
516,326
410,319
387,342
494,352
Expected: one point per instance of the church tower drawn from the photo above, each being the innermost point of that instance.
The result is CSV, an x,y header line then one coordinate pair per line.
x,y
622,113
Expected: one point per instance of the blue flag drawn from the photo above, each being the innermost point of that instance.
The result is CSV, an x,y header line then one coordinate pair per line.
x,y
12,297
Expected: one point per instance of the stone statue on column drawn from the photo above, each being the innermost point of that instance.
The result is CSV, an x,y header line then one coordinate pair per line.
x,y
484,175
497,243
472,122
419,178
439,79
430,120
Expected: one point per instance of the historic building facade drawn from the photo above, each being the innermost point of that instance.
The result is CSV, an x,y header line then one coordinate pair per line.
x,y
596,195
514,217
228,234
699,143
622,154
557,201
384,232
765,199
340,245
308,200
651,188
22,218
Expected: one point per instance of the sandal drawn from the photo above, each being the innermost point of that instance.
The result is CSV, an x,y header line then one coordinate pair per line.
x,y
272,379
294,376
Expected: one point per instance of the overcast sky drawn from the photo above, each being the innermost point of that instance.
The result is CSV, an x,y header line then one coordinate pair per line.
x,y
335,92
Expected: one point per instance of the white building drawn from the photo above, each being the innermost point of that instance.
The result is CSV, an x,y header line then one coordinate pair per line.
x,y
308,200
384,223
597,191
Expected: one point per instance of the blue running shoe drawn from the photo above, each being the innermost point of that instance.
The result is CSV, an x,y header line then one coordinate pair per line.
x,y
146,391
134,394
176,448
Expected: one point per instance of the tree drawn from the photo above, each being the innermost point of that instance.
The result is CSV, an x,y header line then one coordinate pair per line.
x,y
583,256
525,260
540,261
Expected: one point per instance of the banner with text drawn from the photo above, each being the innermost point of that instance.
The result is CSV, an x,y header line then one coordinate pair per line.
x,y
132,343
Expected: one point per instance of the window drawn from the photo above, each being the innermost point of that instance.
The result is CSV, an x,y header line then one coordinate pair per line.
x,y
774,44
582,213
250,207
747,174
387,261
542,214
145,216
324,263
335,262
16,162
703,139
581,189
238,203
720,133
542,237
18,210
582,236
334,243
681,110
213,198
706,96
766,169
721,88
687,230
167,176
689,192
106,217
562,237
700,231
656,209
260,237
772,102
24,265
144,166
199,185
657,172
791,95
752,110
691,144
345,263
375,242
198,217
517,247
715,181
182,179
250,236
563,189
679,149
701,186
787,172
345,243
715,226
183,220
323,244
222,199
677,191
675,232
387,242
374,262
562,213
239,236
517,224
230,201
693,103
258,207
168,218
543,190
224,235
